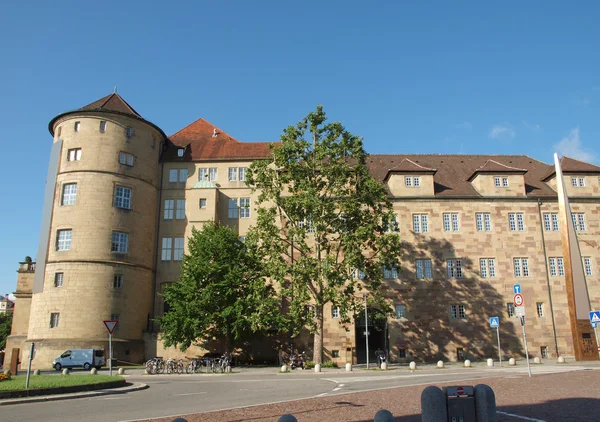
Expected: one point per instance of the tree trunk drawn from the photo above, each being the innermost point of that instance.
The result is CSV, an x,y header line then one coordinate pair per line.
x,y
318,338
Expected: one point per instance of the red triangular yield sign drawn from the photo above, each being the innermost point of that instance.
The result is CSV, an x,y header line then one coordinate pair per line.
x,y
111,325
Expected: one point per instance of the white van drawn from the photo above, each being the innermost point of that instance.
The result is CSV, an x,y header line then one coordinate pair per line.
x,y
85,358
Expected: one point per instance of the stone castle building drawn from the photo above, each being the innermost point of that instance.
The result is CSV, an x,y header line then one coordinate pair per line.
x,y
121,199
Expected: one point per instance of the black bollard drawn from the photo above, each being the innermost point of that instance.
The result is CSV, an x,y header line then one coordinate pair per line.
x,y
287,418
383,416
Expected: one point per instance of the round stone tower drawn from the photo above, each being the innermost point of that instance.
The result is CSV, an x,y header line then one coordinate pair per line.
x,y
97,255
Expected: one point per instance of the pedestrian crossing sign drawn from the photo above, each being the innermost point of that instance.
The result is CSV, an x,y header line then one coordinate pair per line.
x,y
595,316
494,322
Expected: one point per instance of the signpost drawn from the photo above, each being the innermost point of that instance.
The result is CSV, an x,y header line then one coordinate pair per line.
x,y
495,323
110,326
519,302
31,356
595,319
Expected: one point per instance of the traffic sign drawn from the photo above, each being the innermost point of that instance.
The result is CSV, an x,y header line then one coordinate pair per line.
x,y
520,311
111,325
516,288
518,300
494,322
595,316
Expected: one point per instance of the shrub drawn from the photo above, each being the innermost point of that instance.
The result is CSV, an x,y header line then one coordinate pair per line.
x,y
4,377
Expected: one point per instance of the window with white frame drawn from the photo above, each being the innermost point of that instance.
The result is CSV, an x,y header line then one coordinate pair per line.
x,y
180,152
242,174
233,174
117,281
167,246
390,226
578,182
307,224
521,267
551,221
178,175
587,265
169,209
202,203
451,222
458,311
119,242
232,208
58,279
408,181
178,249
400,311
129,132
77,126
423,267
212,174
102,126
54,317
483,221
244,207
487,267
69,194
455,268
544,351
123,197
416,182
180,213
390,272
335,312
202,174
557,266
510,310
497,182
540,309
505,182
578,221
63,240
74,154
420,223
516,222
128,160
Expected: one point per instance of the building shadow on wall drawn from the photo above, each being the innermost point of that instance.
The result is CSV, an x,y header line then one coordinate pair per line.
x,y
432,328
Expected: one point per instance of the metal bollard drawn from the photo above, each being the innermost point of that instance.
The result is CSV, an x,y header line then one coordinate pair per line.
x,y
383,415
433,405
287,418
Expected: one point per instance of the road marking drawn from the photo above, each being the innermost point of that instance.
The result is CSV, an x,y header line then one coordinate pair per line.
x,y
337,388
520,417
321,395
189,394
112,398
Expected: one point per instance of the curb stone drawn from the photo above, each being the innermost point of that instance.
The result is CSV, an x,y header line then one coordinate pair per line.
x,y
84,394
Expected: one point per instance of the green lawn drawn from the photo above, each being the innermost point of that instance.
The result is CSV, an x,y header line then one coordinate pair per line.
x,y
49,381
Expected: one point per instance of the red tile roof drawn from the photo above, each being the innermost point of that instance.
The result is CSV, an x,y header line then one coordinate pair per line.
x,y
112,102
204,141
493,166
409,166
571,165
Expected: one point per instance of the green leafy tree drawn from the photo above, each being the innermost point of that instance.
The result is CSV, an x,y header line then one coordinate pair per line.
x,y
322,217
5,326
221,292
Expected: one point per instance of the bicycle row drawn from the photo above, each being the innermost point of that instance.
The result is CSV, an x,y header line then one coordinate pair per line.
x,y
158,365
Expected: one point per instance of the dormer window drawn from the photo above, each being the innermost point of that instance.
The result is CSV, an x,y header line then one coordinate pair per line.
x,y
501,182
180,152
408,181
412,182
578,182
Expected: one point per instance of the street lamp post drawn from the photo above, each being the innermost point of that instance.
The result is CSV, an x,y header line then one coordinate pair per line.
x,y
366,329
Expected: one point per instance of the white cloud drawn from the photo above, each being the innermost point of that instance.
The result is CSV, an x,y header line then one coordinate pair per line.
x,y
502,132
463,125
532,127
571,146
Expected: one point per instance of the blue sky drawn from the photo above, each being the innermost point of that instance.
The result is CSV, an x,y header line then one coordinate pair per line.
x,y
409,77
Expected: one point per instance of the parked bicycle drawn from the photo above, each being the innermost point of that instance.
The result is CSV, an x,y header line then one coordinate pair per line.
x,y
155,366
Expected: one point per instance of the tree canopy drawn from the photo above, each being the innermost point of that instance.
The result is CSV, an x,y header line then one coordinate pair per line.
x,y
322,221
5,327
221,292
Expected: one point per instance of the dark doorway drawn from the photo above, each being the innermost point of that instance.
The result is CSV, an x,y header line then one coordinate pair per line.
x,y
377,335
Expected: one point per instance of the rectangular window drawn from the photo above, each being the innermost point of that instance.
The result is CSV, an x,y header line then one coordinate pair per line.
x,y
244,207
173,175
202,174
587,264
578,182
581,182
454,268
516,222
183,175
578,221
574,182
127,159
390,226
58,279
232,208
416,182
483,221
123,197
243,239
307,224
54,319
233,174
400,311
59,131
335,353
402,353
420,223
360,274
74,154
458,311
180,214
77,126
497,182
63,240
180,152
202,203
505,182
102,126
129,132
451,222
119,242
551,221
335,312
242,174
408,181
510,310
487,267
540,309
117,281
178,250
390,272
169,209
212,174
462,313
167,246
69,194
423,268
521,267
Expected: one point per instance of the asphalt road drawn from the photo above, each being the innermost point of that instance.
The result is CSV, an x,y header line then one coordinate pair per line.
x,y
171,395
